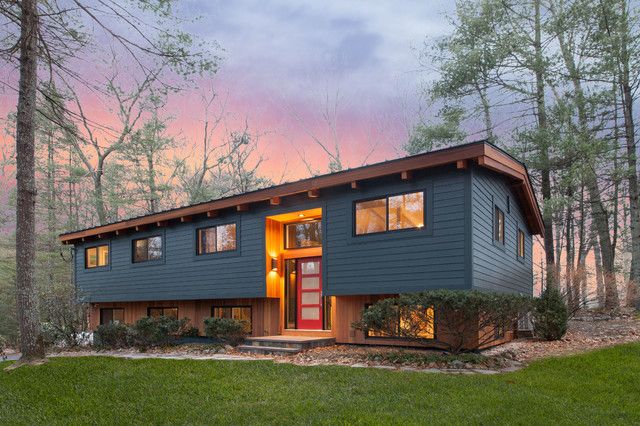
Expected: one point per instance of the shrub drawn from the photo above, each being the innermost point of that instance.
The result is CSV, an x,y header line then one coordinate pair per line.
x,y
3,348
228,330
462,316
64,315
550,315
191,332
112,336
162,331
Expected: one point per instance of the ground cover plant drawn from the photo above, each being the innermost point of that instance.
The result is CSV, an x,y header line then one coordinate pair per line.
x,y
599,387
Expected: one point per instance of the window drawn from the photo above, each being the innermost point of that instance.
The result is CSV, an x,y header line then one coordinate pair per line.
x,y
521,243
498,225
95,257
235,312
303,234
392,213
216,239
162,312
408,323
146,249
109,315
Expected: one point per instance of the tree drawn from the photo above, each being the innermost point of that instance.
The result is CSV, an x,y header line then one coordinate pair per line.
x,y
427,137
50,30
144,152
31,344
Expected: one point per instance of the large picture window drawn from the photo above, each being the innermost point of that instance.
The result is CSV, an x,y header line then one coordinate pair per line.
x,y
109,315
392,213
303,234
162,312
235,312
95,257
216,239
147,249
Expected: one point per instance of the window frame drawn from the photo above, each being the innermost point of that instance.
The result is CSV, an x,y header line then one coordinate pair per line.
x,y
97,267
499,243
110,309
426,225
214,307
148,261
149,308
201,228
316,220
399,338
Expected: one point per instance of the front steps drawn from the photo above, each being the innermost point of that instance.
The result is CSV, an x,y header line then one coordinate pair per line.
x,y
283,345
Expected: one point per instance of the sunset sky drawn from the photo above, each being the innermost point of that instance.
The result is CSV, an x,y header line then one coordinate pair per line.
x,y
282,59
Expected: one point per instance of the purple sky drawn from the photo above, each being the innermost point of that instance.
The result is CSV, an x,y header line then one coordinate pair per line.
x,y
286,61
282,59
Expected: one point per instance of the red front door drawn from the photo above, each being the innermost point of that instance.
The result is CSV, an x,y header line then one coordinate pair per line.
x,y
309,277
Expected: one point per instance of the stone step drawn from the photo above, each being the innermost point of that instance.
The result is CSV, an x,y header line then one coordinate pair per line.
x,y
268,350
290,343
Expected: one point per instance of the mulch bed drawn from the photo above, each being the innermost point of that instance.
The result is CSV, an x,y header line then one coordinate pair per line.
x,y
587,331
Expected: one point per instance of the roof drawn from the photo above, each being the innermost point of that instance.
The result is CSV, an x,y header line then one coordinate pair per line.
x,y
482,153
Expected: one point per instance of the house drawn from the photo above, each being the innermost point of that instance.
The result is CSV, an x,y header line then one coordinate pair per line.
x,y
305,258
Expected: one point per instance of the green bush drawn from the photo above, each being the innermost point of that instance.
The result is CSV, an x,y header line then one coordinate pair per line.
x,y
461,316
162,331
191,332
3,348
112,336
228,330
550,315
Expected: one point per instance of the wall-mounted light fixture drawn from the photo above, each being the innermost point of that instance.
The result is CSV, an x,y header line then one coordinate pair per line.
x,y
274,263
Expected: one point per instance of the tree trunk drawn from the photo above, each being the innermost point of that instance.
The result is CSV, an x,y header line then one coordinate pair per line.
x,y
151,182
545,173
598,263
570,258
98,193
31,344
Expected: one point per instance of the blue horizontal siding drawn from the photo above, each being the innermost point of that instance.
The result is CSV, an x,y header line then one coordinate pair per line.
x,y
400,261
442,255
496,267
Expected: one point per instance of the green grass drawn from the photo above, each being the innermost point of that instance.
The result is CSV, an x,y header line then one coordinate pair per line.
x,y
601,387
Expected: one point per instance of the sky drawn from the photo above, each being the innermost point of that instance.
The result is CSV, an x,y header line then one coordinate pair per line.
x,y
288,63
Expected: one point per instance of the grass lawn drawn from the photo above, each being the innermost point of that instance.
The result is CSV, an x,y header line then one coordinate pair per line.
x,y
601,387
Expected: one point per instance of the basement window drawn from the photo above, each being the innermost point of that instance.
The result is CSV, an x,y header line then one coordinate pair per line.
x,y
242,313
109,315
408,323
162,312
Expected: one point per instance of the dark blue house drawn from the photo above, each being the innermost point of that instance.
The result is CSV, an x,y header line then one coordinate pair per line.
x,y
305,258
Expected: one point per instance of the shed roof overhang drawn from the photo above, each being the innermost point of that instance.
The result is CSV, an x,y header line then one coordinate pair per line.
x,y
482,153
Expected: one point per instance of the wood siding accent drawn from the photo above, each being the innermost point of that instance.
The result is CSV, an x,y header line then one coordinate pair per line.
x,y
349,310
264,312
494,266
489,156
